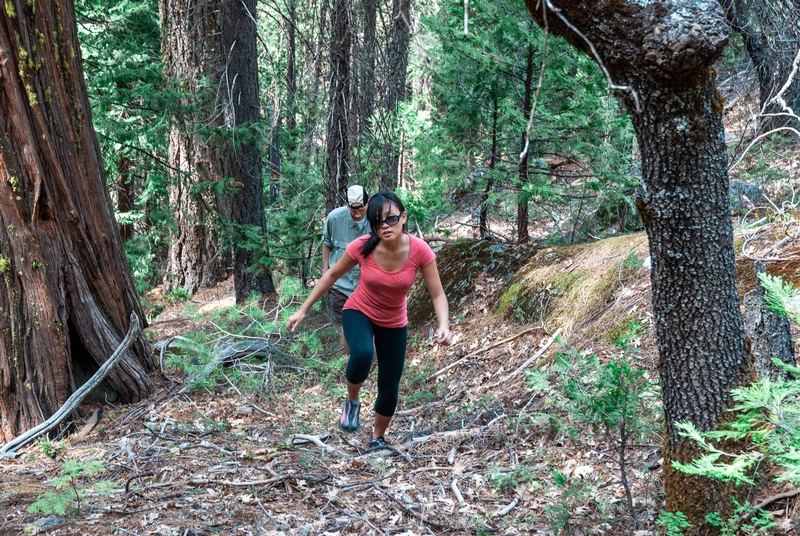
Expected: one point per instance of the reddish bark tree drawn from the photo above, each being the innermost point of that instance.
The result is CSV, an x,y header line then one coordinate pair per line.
x,y
66,291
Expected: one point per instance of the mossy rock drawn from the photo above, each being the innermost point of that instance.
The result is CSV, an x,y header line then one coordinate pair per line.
x,y
460,265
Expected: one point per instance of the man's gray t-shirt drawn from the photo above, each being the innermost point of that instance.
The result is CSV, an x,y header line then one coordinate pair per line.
x,y
339,230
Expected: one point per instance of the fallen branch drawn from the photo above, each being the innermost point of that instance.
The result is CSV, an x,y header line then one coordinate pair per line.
x,y
77,397
476,352
311,477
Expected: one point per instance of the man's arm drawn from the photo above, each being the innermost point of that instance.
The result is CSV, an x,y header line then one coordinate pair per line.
x,y
326,255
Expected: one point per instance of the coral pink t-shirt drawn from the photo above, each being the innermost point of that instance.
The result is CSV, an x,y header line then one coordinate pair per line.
x,y
381,295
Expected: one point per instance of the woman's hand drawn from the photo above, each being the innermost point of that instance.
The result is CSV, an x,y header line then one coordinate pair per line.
x,y
295,320
444,336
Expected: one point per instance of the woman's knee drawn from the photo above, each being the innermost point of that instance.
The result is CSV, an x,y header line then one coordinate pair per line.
x,y
359,364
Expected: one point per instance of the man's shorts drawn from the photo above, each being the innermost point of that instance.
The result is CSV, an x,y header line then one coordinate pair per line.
x,y
336,301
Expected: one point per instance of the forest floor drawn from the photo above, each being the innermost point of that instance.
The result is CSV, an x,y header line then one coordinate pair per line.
x,y
477,448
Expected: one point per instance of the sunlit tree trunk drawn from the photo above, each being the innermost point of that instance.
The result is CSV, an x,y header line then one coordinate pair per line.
x,y
193,63
66,292
663,52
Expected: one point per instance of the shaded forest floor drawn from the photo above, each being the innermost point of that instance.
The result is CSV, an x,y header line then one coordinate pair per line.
x,y
476,448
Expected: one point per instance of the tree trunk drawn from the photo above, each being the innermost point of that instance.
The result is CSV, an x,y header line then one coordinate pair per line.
x,y
397,67
483,218
124,195
664,52
291,60
66,291
366,94
338,123
770,333
522,200
191,48
242,158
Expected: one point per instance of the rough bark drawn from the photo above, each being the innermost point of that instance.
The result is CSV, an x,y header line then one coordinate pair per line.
x,y
366,94
337,157
210,50
663,52
191,48
242,158
770,333
396,74
66,291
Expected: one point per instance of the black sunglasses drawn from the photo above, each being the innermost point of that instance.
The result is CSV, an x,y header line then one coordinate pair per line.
x,y
356,207
391,220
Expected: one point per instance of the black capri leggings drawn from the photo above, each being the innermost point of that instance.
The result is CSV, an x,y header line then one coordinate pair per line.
x,y
390,346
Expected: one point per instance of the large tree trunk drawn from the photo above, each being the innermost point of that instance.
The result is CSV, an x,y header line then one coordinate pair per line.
x,y
366,94
242,157
337,158
66,292
210,49
191,48
664,53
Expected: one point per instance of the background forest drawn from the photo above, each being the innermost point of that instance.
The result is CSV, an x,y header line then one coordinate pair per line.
x,y
447,131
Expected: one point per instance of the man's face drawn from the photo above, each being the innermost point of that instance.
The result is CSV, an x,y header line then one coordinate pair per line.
x,y
358,211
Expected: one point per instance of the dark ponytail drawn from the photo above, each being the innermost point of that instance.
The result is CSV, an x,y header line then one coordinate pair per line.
x,y
374,213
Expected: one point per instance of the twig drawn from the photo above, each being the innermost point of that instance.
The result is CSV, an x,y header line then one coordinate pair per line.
x,y
480,351
434,524
507,509
457,492
77,397
318,442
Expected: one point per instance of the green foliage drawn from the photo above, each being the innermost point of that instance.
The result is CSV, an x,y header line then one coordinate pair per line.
x,y
611,401
179,294
71,489
51,448
507,480
131,113
673,522
767,416
744,520
477,90
781,297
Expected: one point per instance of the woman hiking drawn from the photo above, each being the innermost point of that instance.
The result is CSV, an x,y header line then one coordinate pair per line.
x,y
389,259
